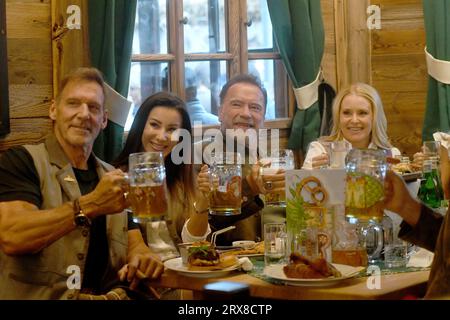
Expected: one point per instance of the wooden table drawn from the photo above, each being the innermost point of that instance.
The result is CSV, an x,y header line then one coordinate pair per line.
x,y
393,286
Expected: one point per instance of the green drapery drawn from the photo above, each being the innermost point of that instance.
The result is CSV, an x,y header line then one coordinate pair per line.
x,y
298,29
437,27
111,26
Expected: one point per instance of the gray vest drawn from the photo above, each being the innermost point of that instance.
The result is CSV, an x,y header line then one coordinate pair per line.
x,y
44,275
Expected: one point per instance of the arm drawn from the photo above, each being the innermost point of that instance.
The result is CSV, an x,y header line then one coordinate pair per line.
x,y
142,262
197,225
316,156
445,172
399,200
26,229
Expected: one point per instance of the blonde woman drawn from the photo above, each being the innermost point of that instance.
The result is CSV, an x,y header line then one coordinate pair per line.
x,y
358,118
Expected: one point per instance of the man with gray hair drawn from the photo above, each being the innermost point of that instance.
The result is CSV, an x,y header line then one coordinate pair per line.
x,y
63,228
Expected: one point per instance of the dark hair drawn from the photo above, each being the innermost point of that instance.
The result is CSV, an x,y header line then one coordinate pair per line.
x,y
174,173
82,74
243,78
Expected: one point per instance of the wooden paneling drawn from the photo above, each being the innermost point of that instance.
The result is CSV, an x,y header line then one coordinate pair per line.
x,y
329,56
29,70
399,70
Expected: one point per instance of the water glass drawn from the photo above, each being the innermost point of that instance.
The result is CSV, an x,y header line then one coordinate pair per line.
x,y
275,239
226,184
306,243
147,179
396,255
339,150
431,149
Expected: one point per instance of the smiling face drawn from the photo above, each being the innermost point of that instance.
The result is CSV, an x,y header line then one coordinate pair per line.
x,y
355,120
162,122
242,107
79,115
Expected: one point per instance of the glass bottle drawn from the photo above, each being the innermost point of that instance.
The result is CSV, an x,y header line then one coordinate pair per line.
x,y
430,190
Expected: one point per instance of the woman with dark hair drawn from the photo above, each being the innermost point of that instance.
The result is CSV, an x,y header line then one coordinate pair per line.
x,y
153,129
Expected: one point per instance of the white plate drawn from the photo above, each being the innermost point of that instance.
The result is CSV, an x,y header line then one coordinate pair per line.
x,y
178,266
251,255
276,271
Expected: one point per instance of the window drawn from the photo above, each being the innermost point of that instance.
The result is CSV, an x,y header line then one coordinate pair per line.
x,y
191,47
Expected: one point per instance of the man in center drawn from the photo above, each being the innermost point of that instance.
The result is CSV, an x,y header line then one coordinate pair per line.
x,y
243,103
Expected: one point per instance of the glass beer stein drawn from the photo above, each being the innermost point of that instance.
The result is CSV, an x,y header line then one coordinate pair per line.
x,y
226,184
364,195
147,192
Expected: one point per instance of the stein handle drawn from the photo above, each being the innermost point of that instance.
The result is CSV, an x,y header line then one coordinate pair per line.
x,y
379,240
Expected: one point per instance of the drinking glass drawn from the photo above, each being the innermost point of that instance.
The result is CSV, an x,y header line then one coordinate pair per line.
x,y
431,150
364,195
339,150
226,184
275,239
282,159
396,254
147,192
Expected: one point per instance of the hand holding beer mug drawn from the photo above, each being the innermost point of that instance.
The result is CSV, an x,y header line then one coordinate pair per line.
x,y
147,177
226,184
273,174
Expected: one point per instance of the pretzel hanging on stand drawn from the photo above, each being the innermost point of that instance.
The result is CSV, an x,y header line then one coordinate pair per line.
x,y
312,191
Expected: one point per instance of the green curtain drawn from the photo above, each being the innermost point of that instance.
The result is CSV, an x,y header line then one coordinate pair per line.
x,y
298,29
111,26
437,27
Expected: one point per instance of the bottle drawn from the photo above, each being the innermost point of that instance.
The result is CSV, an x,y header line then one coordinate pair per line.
x,y
430,190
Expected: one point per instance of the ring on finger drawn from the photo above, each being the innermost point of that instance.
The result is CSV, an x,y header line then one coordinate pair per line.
x,y
268,185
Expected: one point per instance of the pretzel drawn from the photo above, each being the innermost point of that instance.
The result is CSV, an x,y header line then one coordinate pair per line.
x,y
313,187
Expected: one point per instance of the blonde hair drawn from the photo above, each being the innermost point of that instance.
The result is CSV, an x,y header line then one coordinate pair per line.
x,y
379,135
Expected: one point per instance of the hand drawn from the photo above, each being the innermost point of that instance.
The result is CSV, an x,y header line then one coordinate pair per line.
x,y
141,266
320,161
203,185
274,183
396,193
108,196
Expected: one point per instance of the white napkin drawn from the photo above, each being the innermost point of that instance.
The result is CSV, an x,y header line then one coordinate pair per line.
x,y
443,138
246,264
421,259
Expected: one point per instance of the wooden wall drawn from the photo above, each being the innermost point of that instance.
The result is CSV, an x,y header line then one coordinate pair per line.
x,y
397,65
29,70
399,70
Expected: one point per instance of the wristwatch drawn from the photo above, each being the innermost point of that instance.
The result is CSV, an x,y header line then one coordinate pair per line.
x,y
80,219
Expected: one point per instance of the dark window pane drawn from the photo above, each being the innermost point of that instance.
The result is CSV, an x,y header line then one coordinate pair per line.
x,y
150,30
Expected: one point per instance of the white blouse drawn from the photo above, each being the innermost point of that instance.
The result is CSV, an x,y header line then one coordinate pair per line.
x,y
316,149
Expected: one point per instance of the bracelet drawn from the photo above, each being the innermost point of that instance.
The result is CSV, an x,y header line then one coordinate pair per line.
x,y
199,211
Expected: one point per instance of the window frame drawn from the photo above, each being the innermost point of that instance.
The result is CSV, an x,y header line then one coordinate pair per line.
x,y
236,55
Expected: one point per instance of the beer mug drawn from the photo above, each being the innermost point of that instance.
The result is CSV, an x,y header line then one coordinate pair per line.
x,y
226,184
366,169
283,159
147,178
364,195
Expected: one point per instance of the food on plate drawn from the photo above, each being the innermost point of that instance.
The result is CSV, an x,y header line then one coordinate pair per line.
x,y
403,168
301,267
204,256
258,248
